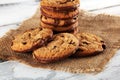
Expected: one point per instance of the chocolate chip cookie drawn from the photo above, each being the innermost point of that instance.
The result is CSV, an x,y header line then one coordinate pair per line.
x,y
61,46
59,15
60,3
31,39
58,22
60,9
59,28
90,44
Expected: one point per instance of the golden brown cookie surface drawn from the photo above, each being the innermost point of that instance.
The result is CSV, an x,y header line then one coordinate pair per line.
x,y
61,46
59,15
31,39
60,3
58,22
59,28
90,44
60,9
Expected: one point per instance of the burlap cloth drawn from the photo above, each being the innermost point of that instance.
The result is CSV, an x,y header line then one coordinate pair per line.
x,y
106,26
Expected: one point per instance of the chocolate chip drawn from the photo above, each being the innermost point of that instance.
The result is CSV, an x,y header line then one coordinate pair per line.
x,y
79,50
73,43
102,41
85,43
62,36
24,43
74,18
45,17
54,47
29,35
104,46
60,2
32,28
41,17
40,29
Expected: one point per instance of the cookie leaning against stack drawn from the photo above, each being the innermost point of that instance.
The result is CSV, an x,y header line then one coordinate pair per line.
x,y
31,39
59,15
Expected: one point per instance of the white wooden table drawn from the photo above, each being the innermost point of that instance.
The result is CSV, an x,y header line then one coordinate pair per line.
x,y
13,12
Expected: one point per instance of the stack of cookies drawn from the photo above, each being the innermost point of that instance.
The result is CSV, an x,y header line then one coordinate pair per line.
x,y
60,15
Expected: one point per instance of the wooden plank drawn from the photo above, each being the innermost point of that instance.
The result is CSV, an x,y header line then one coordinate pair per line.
x,y
2,2
112,11
97,4
16,13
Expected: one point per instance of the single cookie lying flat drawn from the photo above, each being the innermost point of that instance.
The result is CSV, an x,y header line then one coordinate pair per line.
x,y
31,39
60,15
60,9
58,22
59,28
62,46
89,45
